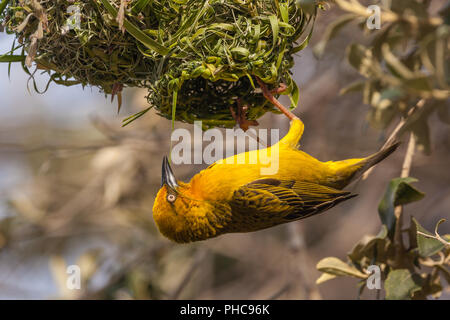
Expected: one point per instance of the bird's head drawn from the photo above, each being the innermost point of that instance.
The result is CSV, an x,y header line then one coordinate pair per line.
x,y
179,215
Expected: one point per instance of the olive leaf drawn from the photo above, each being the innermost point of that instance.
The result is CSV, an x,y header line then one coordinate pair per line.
x,y
418,8
428,246
421,132
353,87
401,284
138,34
325,277
11,58
337,267
419,83
431,286
398,192
375,247
332,29
3,5
361,58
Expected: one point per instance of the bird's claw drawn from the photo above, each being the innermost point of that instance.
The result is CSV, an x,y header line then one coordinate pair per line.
x,y
241,118
269,96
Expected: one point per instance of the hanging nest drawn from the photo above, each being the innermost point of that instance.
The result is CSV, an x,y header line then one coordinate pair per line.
x,y
194,57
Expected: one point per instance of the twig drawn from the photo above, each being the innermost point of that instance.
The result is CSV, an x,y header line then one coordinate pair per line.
x,y
280,292
199,257
12,147
298,248
406,168
436,236
412,115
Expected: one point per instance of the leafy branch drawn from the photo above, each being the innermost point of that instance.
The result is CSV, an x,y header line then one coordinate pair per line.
x,y
436,234
405,70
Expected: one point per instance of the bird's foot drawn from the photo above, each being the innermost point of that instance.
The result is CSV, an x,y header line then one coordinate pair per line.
x,y
269,96
241,118
282,88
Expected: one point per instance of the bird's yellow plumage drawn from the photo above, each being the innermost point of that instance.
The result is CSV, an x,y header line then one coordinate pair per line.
x,y
232,197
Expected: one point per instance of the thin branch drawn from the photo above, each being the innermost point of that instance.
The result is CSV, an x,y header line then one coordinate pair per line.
x,y
285,288
198,259
413,114
436,237
406,169
298,248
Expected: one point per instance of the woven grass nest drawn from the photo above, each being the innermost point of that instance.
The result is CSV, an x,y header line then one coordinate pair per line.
x,y
196,58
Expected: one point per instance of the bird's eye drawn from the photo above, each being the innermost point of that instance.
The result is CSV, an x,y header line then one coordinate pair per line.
x,y
171,198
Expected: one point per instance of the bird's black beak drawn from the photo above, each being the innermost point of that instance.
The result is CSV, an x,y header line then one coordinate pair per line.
x,y
167,175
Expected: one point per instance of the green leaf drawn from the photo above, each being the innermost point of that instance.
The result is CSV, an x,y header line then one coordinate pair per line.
x,y
331,30
361,59
136,32
294,92
337,267
382,114
385,107
419,83
325,277
353,87
412,233
372,247
398,192
275,29
135,116
305,41
394,64
421,132
12,58
392,94
417,8
139,6
432,286
401,284
427,246
284,11
3,5
240,53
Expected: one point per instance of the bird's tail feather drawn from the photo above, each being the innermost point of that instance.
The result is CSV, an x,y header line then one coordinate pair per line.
x,y
378,156
364,164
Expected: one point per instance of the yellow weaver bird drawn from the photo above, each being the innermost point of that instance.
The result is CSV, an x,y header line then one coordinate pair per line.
x,y
229,197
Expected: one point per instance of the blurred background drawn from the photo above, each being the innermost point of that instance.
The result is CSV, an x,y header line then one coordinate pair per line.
x,y
77,188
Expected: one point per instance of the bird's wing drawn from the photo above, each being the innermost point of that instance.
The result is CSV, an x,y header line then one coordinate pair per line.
x,y
287,200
